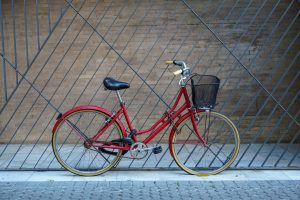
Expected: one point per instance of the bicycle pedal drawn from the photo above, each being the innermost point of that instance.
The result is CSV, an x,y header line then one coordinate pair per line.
x,y
157,150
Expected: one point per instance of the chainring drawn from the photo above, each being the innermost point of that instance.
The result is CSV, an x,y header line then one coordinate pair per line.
x,y
138,150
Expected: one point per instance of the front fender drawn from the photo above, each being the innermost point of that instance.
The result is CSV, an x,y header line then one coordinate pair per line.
x,y
87,107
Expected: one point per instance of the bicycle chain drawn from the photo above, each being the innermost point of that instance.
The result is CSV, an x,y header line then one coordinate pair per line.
x,y
122,156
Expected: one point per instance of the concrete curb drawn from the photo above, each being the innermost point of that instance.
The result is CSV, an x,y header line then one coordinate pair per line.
x,y
229,175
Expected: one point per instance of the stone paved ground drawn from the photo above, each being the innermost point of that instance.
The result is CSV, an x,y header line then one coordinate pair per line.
x,y
151,190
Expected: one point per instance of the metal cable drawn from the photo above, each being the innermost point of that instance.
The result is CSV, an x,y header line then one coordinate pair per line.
x,y
29,82
238,60
34,58
119,55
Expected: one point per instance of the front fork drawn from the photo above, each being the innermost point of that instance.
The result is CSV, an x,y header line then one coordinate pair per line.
x,y
194,123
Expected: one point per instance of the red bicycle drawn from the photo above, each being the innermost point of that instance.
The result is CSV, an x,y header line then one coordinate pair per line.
x,y
90,140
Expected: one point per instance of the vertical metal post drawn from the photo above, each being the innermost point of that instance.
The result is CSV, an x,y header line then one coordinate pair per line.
x,y
3,52
32,85
60,7
272,40
26,38
15,41
238,60
206,50
49,16
36,55
37,23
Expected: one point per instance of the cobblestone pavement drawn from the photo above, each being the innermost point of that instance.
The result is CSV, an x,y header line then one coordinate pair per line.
x,y
151,190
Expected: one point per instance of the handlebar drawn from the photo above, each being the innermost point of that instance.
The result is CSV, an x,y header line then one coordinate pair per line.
x,y
184,70
177,62
183,67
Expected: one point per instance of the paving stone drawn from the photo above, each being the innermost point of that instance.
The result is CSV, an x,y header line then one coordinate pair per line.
x,y
152,190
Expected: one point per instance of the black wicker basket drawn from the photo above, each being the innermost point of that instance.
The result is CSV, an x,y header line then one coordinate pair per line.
x,y
204,90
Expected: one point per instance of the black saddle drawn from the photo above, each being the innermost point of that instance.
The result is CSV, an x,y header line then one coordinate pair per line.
x,y
112,84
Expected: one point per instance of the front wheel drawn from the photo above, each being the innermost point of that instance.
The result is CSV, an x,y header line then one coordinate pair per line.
x,y
74,153
193,156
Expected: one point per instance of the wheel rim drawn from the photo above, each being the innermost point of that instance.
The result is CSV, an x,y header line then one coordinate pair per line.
x,y
222,139
75,155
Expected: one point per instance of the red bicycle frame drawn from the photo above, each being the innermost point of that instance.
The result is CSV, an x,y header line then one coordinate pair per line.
x,y
162,123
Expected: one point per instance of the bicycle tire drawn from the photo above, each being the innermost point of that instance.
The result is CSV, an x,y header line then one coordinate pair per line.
x,y
192,156
64,138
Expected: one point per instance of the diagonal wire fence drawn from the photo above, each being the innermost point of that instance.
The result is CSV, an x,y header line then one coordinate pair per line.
x,y
59,54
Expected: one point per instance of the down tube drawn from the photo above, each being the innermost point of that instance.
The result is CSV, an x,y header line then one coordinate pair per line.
x,y
173,116
165,124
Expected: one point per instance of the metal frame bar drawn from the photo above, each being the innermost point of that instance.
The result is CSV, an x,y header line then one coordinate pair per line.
x,y
149,74
119,55
33,82
49,16
282,136
15,41
206,50
26,37
102,59
230,53
232,94
90,79
129,61
41,91
275,29
3,52
34,58
261,108
140,65
99,87
32,86
239,61
295,155
96,71
37,23
289,144
273,110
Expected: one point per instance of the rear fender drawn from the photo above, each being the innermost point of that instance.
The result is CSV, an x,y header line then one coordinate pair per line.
x,y
75,109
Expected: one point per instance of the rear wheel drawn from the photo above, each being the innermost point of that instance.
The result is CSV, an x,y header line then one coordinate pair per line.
x,y
75,154
222,147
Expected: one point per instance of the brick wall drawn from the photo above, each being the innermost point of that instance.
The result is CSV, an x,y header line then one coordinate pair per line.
x,y
146,33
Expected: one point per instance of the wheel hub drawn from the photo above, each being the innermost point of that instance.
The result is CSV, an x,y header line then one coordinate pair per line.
x,y
87,144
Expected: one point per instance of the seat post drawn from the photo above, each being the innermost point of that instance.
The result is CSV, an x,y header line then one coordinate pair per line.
x,y
119,97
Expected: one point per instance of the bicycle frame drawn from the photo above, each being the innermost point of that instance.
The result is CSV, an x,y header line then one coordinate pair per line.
x,y
157,127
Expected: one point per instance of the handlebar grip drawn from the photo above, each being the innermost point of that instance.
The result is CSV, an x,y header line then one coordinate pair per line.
x,y
168,62
178,62
177,72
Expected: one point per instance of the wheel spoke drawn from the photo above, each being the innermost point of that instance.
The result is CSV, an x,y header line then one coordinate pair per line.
x,y
77,130
72,148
